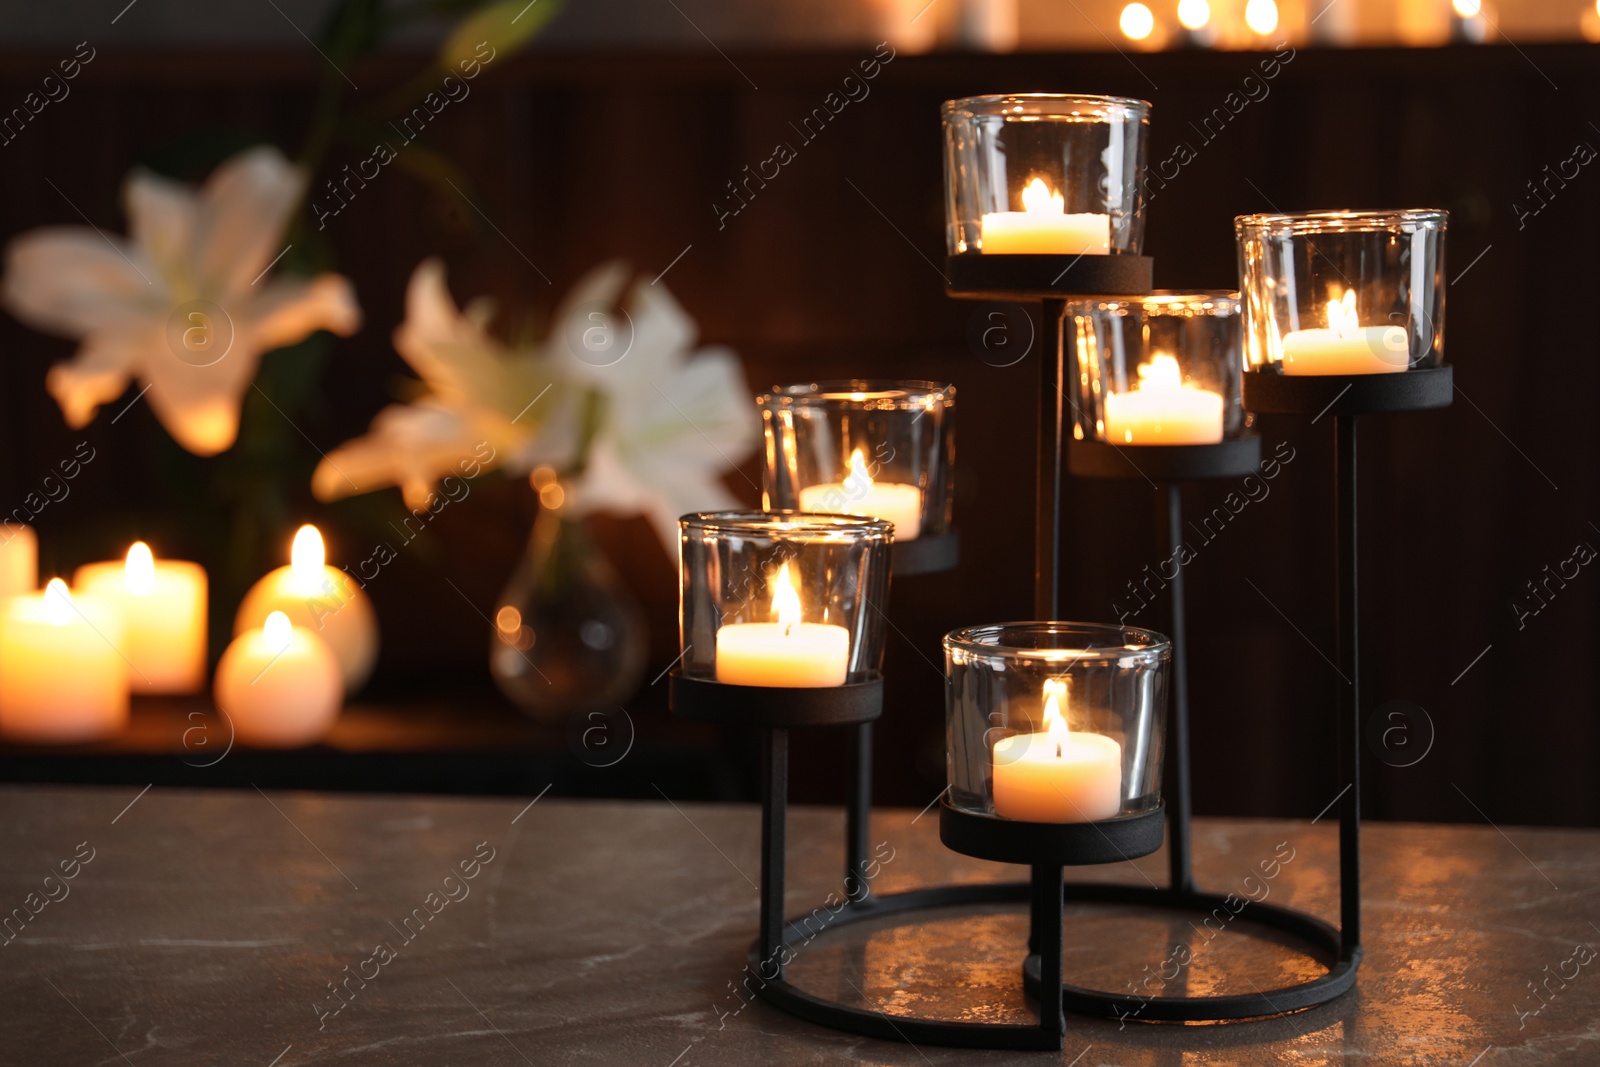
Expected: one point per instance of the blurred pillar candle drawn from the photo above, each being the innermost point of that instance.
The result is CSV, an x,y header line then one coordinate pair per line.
x,y
279,685
19,560
162,605
62,676
319,598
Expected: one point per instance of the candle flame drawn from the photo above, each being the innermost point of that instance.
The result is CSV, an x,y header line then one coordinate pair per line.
x,y
859,481
1039,197
277,632
139,573
58,608
785,601
1342,317
307,557
1055,725
1162,372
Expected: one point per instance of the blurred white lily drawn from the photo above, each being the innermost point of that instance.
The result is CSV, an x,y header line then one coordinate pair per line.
x,y
618,400
183,306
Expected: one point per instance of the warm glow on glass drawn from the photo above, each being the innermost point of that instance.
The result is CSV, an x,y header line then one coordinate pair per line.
x,y
1261,16
508,620
139,573
277,632
307,557
1039,197
785,601
1194,14
1137,21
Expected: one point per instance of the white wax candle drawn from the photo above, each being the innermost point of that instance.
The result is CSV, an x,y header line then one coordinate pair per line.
x,y
1163,410
1057,775
1346,347
858,494
62,678
19,559
1043,227
280,685
162,605
319,598
783,653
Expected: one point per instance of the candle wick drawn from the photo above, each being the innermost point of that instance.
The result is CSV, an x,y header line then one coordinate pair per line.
x,y
1058,750
788,629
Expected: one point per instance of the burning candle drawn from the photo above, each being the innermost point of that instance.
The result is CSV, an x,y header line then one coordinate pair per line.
x,y
162,606
1346,347
279,685
319,598
1163,410
859,495
1043,226
62,677
1057,775
783,653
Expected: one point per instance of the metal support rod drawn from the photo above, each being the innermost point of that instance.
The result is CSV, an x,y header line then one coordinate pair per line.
x,y
858,813
1047,509
1349,704
774,805
1048,927
1179,854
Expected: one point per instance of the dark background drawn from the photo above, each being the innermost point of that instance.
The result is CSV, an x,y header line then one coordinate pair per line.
x,y
831,271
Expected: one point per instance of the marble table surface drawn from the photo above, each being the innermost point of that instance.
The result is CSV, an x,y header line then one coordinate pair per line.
x,y
278,929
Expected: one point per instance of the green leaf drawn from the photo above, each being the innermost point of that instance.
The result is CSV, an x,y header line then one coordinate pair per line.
x,y
503,26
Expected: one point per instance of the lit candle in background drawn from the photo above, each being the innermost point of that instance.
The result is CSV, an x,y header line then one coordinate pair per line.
x,y
62,676
1346,347
858,495
1163,410
162,605
1042,226
1057,775
783,653
19,559
319,598
280,686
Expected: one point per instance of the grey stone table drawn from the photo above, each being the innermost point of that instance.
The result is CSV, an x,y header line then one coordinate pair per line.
x,y
273,930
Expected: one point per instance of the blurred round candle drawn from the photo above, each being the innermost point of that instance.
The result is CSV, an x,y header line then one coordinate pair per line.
x,y
783,653
1043,227
62,678
1058,775
1346,347
19,559
279,685
319,598
1163,410
162,604
859,495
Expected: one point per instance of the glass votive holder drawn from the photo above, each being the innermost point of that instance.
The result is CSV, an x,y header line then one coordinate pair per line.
x,y
876,448
1044,174
1342,292
782,598
1162,369
1055,722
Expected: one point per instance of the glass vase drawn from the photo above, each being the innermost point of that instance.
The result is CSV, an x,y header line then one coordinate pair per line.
x,y
568,637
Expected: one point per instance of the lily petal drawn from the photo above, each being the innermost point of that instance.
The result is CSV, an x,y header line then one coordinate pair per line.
x,y
98,374
162,215
71,280
243,209
287,311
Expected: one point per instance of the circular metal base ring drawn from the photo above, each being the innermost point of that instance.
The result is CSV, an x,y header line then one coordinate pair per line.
x,y
973,275
925,555
705,700
870,1021
1322,938
1049,844
1234,457
1269,393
